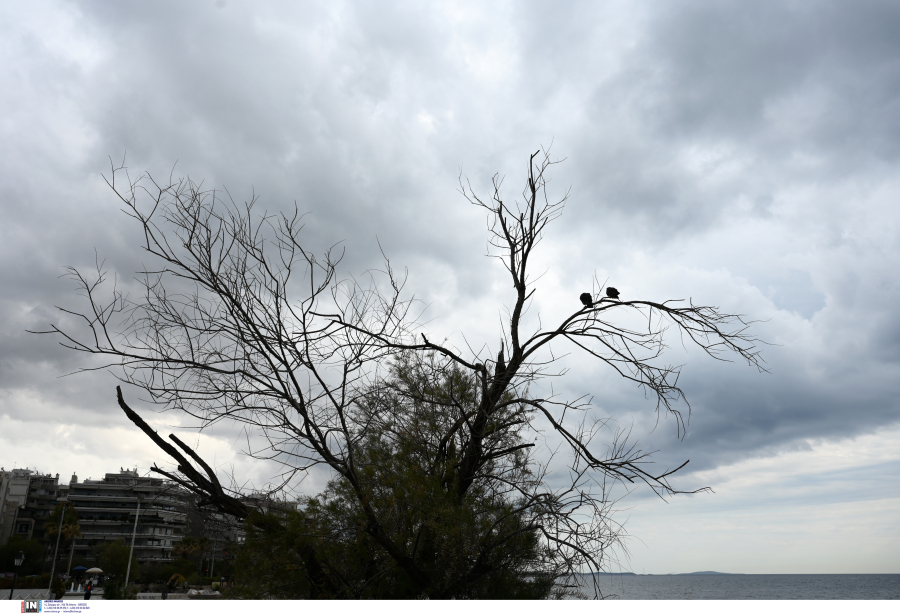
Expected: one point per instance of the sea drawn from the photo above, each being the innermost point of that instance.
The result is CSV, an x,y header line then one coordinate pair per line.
x,y
745,586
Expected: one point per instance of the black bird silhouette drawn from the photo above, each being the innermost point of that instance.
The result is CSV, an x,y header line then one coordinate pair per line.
x,y
612,293
501,366
586,300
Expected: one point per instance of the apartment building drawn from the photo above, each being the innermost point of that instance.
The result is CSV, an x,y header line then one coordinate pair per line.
x,y
107,510
27,498
13,492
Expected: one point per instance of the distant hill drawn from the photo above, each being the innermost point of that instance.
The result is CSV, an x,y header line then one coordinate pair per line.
x,y
705,573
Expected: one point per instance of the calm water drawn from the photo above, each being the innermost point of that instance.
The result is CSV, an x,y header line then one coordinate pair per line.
x,y
795,586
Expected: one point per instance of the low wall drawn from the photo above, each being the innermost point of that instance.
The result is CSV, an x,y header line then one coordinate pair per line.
x,y
26,593
159,596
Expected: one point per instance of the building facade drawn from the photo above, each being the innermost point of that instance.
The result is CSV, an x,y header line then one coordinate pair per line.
x,y
27,498
107,510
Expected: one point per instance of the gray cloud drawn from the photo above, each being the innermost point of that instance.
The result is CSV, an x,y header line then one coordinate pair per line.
x,y
745,155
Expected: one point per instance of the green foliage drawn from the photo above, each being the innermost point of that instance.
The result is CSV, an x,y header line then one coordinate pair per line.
x,y
112,591
115,590
223,568
70,524
34,556
149,573
58,588
112,558
181,567
187,547
26,582
483,545
197,548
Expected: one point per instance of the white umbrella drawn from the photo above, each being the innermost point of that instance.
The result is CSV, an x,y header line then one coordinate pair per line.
x,y
94,570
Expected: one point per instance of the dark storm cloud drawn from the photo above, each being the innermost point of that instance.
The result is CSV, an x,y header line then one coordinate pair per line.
x,y
799,95
746,154
766,84
725,68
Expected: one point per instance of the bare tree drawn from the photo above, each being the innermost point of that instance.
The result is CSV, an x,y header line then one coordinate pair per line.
x,y
241,323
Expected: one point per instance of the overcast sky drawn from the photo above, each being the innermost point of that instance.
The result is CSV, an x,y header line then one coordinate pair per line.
x,y
745,155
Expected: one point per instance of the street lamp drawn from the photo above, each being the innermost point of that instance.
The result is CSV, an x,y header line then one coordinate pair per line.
x,y
62,514
20,558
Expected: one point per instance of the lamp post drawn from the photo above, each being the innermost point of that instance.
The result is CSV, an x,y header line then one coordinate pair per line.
x,y
62,514
20,558
133,534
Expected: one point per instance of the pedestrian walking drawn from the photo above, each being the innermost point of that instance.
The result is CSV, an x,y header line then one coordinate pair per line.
x,y
87,591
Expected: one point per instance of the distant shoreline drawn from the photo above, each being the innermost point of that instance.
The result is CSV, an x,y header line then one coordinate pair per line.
x,y
692,573
748,586
724,573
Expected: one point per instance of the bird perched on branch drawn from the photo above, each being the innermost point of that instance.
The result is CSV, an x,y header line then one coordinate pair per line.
x,y
586,300
501,365
612,293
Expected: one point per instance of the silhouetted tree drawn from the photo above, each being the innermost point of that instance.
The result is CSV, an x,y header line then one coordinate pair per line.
x,y
240,322
487,543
